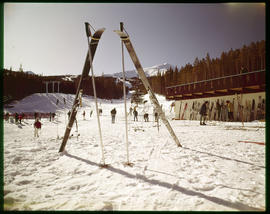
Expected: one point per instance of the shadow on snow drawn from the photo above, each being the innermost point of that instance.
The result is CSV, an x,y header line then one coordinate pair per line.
x,y
234,205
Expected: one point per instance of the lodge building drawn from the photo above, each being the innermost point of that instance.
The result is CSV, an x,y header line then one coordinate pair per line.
x,y
245,89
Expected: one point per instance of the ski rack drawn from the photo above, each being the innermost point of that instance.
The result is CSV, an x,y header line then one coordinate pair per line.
x,y
93,46
125,38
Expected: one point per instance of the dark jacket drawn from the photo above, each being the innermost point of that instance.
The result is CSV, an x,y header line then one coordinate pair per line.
x,y
113,112
203,109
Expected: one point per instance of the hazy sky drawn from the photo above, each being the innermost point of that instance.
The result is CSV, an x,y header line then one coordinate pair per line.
x,y
50,39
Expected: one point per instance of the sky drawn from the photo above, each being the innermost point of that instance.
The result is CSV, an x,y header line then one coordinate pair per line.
x,y
50,38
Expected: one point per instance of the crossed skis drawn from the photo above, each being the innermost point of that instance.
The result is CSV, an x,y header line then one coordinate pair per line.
x,y
88,64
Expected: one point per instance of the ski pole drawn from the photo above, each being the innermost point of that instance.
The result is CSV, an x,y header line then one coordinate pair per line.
x,y
88,34
124,92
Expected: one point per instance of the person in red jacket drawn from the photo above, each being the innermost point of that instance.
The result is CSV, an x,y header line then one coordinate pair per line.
x,y
37,126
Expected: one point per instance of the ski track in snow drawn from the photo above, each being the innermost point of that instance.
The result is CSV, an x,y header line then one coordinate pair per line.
x,y
212,171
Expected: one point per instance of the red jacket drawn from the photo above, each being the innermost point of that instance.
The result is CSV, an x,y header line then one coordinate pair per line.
x,y
37,125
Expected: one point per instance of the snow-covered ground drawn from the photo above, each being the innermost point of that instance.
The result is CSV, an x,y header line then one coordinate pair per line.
x,y
212,171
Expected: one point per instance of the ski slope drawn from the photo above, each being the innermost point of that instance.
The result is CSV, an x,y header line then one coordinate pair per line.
x,y
212,171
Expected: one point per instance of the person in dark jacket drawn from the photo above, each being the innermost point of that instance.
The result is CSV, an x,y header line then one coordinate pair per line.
x,y
146,117
203,113
113,113
16,117
83,115
135,113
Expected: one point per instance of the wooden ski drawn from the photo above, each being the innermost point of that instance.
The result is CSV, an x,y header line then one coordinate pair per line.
x,y
125,38
93,46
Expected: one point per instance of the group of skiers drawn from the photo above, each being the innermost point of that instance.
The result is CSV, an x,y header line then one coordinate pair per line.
x,y
18,117
134,112
224,111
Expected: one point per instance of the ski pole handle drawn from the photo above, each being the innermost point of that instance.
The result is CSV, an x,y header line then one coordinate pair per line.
x,y
121,26
87,29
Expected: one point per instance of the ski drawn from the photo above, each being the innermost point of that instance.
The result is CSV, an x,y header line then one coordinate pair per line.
x,y
179,115
185,108
125,38
86,68
259,143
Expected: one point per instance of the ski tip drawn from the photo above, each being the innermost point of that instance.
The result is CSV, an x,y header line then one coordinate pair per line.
x,y
121,34
98,32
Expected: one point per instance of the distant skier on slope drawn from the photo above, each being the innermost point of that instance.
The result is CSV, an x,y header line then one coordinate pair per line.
x,y
91,112
156,117
113,113
7,116
135,113
37,126
83,115
20,118
16,117
203,113
53,116
130,111
146,117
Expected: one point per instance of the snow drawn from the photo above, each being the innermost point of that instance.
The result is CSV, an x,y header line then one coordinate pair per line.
x,y
212,171
150,71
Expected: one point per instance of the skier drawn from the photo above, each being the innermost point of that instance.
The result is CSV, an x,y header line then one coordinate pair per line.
x,y
156,116
203,113
100,111
130,111
230,111
91,112
53,116
16,117
145,117
57,101
7,116
113,113
218,110
20,118
211,111
68,114
37,126
83,115
135,113
64,101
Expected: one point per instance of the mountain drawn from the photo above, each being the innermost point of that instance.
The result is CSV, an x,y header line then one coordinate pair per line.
x,y
150,71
